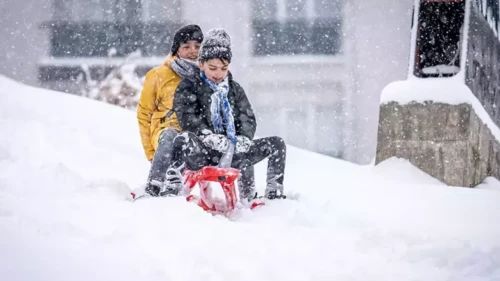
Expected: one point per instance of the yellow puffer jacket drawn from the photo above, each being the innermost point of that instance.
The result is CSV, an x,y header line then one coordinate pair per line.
x,y
155,109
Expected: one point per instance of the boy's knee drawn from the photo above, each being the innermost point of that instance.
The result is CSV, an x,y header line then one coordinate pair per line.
x,y
278,142
169,134
183,137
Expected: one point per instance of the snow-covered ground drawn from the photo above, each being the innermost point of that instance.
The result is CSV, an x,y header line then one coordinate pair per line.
x,y
66,164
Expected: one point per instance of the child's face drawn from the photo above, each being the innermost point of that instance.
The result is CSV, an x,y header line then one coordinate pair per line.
x,y
215,69
189,50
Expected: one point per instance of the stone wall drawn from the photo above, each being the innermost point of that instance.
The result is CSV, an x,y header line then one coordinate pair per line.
x,y
448,142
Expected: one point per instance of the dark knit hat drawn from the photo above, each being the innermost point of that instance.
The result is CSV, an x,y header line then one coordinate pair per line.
x,y
217,45
184,34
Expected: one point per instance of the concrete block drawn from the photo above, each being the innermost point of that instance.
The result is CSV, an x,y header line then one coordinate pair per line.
x,y
448,142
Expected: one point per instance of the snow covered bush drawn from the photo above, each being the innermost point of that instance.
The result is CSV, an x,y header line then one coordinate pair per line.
x,y
121,86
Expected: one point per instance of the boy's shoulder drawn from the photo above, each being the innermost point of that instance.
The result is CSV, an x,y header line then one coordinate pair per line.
x,y
189,82
235,85
231,79
163,70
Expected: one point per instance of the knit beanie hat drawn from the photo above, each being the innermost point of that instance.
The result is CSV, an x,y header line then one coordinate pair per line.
x,y
217,45
184,34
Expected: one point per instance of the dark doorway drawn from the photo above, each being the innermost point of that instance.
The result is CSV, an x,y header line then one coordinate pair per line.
x,y
440,28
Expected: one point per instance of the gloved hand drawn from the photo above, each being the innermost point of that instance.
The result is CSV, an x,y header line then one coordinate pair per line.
x,y
243,144
214,141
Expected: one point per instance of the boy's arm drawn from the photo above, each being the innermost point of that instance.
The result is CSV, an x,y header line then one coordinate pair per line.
x,y
245,122
186,108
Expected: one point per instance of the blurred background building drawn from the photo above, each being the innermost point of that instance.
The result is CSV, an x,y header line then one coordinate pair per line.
x,y
313,69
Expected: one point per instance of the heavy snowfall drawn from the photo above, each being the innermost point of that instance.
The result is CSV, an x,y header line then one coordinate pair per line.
x,y
316,73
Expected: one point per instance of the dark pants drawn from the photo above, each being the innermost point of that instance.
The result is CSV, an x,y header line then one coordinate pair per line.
x,y
165,156
196,155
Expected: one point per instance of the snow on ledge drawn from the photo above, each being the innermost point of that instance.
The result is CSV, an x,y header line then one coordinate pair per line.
x,y
445,90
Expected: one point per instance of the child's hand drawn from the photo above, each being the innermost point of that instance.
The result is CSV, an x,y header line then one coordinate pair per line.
x,y
216,142
243,144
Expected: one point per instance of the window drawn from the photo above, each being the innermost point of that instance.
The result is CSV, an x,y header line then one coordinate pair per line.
x,y
440,28
90,28
116,10
294,27
97,10
161,10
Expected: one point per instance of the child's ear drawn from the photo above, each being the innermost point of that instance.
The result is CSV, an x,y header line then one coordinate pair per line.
x,y
200,64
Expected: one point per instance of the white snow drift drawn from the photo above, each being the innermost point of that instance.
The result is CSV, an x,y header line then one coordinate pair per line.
x,y
67,164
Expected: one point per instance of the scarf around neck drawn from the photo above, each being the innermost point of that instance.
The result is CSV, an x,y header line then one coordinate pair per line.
x,y
184,68
220,104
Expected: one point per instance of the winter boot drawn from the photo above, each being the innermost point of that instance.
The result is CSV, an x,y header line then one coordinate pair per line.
x,y
153,188
274,191
173,183
248,194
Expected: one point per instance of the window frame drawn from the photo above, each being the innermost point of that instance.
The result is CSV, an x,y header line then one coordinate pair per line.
x,y
63,10
280,26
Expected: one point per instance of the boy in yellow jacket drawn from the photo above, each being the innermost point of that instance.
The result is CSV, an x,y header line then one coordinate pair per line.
x,y
158,122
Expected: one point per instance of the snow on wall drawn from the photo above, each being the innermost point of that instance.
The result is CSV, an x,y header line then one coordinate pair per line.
x,y
447,90
413,41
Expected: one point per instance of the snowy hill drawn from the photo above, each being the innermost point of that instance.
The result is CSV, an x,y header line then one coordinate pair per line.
x,y
66,164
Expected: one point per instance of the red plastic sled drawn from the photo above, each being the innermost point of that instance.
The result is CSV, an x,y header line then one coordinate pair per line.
x,y
226,177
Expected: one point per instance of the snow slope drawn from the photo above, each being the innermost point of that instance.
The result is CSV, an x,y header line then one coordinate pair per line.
x,y
66,164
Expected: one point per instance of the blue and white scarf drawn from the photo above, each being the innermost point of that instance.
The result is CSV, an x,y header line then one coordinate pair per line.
x,y
220,103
